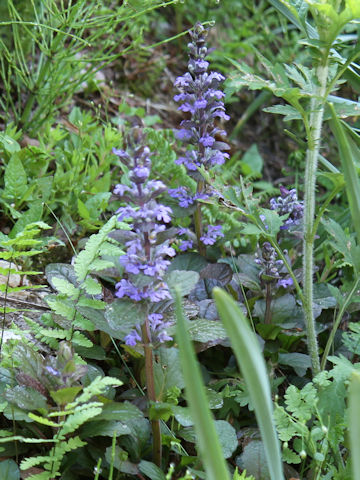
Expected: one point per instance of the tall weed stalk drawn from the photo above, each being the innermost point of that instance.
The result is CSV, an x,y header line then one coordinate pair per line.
x,y
307,91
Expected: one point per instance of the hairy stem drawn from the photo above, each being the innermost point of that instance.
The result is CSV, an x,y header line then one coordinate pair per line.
x,y
150,386
316,120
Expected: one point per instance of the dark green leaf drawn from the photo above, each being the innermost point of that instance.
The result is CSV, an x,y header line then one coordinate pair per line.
x,y
8,143
9,470
183,279
151,470
15,178
26,398
299,361
221,272
166,371
203,330
254,460
122,316
188,261
227,437
252,161
32,215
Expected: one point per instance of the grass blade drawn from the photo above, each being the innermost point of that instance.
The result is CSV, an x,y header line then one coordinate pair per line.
x,y
207,439
350,173
354,423
251,362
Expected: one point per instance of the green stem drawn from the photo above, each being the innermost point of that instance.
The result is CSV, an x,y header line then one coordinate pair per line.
x,y
267,318
150,386
337,323
316,120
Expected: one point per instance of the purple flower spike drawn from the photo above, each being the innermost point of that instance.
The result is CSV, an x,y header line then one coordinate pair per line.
x,y
201,96
201,99
145,255
288,203
269,262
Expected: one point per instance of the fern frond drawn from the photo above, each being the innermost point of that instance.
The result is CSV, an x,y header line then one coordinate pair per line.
x,y
96,387
87,256
82,414
33,461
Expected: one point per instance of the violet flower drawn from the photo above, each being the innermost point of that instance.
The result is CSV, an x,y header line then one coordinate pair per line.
x,y
158,331
288,203
146,260
213,232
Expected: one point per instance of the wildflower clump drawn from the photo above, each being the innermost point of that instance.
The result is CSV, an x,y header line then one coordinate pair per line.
x,y
146,258
202,98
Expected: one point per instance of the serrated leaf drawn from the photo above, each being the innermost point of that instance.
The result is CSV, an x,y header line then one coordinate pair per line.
x,y
97,387
100,264
289,456
61,307
92,286
44,421
91,303
64,287
289,112
87,256
65,395
80,339
15,178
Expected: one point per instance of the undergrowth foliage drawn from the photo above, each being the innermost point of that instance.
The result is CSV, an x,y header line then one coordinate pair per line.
x,y
171,254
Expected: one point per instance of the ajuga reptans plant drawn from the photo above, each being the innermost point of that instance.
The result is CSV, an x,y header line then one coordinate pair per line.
x,y
200,97
146,259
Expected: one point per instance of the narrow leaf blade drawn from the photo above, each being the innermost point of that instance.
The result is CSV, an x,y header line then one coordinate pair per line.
x,y
350,174
208,442
354,423
251,362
